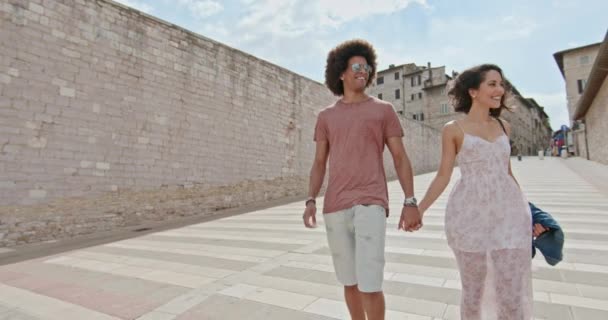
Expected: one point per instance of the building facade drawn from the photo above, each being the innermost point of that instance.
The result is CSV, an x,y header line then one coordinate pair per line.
x,y
575,65
438,107
420,93
591,109
404,86
530,128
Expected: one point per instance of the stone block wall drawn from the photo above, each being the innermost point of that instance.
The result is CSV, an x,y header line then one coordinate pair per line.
x,y
577,66
423,147
596,121
579,143
110,117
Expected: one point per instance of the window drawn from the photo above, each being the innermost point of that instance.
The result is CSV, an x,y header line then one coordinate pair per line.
x,y
444,108
421,116
415,116
419,79
582,83
380,96
397,94
412,78
584,59
413,97
380,80
419,95
396,75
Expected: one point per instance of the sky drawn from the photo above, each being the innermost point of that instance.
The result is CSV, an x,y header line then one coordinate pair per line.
x,y
519,36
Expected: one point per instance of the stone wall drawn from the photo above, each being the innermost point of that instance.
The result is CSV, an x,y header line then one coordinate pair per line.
x,y
524,136
577,66
110,117
434,116
580,148
423,146
596,121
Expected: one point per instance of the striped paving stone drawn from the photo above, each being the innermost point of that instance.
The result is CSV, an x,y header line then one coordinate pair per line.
x,y
266,265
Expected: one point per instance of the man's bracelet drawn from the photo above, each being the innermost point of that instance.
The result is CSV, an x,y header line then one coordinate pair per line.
x,y
310,199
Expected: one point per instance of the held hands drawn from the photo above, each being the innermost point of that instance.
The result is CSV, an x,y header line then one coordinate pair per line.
x,y
411,219
310,220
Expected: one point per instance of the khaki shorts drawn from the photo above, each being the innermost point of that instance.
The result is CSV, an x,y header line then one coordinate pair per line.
x,y
356,241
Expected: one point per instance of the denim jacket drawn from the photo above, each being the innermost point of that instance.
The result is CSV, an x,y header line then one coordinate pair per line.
x,y
551,242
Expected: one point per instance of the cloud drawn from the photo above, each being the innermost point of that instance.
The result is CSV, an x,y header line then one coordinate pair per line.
x,y
513,28
388,56
565,4
338,12
202,8
139,5
304,16
505,28
215,31
293,33
453,51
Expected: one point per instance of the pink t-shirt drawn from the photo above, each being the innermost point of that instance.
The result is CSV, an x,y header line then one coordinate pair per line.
x,y
356,133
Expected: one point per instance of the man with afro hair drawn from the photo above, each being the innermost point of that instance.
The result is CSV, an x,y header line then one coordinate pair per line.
x,y
351,134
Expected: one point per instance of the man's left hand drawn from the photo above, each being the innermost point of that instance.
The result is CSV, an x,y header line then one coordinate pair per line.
x,y
411,219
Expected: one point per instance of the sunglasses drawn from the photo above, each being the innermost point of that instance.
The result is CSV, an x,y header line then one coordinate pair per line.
x,y
358,67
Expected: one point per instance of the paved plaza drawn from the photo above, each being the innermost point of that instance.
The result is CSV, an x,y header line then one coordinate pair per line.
x,y
265,265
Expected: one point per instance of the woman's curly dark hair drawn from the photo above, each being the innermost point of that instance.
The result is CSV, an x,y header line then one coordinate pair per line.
x,y
337,62
471,79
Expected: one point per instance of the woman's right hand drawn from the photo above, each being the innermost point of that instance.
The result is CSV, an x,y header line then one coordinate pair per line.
x,y
538,230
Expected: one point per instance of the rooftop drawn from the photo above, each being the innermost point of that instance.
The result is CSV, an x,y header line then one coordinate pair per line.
x,y
559,56
596,77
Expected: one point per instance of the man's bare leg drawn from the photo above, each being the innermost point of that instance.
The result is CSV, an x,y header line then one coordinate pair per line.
x,y
354,302
373,303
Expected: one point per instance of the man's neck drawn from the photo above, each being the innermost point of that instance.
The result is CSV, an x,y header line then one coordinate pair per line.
x,y
354,97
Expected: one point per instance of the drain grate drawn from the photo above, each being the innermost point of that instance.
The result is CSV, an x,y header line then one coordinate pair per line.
x,y
142,229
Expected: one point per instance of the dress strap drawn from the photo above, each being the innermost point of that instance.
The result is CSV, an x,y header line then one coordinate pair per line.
x,y
458,125
502,125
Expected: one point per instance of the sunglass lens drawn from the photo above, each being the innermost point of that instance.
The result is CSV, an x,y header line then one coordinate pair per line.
x,y
357,67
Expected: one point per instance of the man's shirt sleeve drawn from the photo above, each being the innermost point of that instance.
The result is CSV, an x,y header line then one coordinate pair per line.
x,y
392,125
321,133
